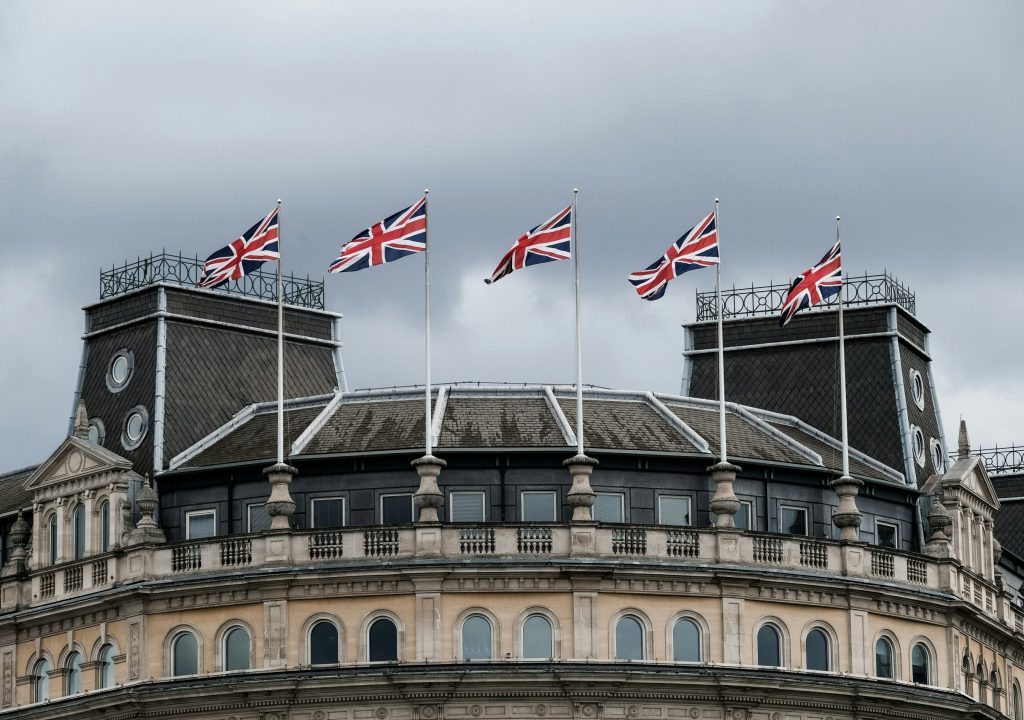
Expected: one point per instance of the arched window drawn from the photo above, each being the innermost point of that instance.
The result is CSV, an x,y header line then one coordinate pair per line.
x,y
629,639
41,681
1016,712
476,638
79,527
383,641
53,538
237,649
104,526
538,638
816,651
323,643
686,641
920,664
74,673
967,668
184,655
106,667
769,646
883,658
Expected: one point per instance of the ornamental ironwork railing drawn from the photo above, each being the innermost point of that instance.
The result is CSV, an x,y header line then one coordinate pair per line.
x,y
165,267
1000,460
767,299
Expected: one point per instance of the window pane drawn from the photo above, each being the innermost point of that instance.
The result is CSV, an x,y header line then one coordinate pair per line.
x,y
79,532
538,506
742,517
919,664
329,513
200,525
769,647
886,535
396,509
53,540
236,650
106,667
74,673
41,683
686,641
629,639
793,521
467,507
104,526
383,641
537,638
476,638
883,659
817,650
608,507
674,510
259,518
323,644
185,655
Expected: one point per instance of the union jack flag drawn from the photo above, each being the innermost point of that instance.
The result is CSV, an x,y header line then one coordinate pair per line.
x,y
547,242
392,238
696,249
256,246
814,285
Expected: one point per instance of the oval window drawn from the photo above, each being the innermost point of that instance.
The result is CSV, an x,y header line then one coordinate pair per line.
x,y
119,372
136,424
918,440
97,432
917,388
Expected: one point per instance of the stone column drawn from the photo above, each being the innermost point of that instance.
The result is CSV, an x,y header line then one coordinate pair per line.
x,y
428,498
581,496
724,504
280,506
19,534
847,517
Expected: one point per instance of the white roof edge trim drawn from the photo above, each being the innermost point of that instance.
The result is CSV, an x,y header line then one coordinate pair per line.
x,y
776,433
239,419
317,425
560,419
440,405
675,421
833,442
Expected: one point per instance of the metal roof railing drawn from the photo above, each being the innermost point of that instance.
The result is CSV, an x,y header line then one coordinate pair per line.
x,y
759,300
186,271
1000,460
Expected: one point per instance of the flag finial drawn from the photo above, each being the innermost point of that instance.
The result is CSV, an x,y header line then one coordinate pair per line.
x,y
575,191
426,191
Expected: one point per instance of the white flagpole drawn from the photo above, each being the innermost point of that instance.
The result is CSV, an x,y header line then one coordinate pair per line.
x,y
280,343
721,349
842,369
429,441
579,353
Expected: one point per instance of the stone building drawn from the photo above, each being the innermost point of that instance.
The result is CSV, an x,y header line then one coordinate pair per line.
x,y
161,564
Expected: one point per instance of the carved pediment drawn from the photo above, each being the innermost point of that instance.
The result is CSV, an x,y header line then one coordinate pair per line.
x,y
968,481
76,463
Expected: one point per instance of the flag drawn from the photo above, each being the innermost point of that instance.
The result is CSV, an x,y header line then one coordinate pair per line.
x,y
256,246
392,238
696,249
814,285
547,242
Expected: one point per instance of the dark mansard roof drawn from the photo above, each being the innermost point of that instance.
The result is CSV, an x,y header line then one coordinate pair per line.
x,y
521,418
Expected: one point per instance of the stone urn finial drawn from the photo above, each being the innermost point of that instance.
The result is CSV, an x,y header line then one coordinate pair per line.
x,y
938,523
147,530
847,517
280,506
724,504
581,496
19,534
428,498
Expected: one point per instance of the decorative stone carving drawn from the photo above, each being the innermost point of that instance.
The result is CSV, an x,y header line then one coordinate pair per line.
x,y
8,692
133,651
81,422
428,498
938,522
280,506
847,517
724,504
147,530
581,496
19,535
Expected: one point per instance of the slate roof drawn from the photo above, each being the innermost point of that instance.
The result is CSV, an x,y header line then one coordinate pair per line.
x,y
521,418
13,495
1008,527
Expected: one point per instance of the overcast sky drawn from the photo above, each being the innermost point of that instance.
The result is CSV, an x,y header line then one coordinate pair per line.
x,y
130,127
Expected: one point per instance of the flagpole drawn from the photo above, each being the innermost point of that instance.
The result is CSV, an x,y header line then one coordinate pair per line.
x,y
721,349
280,343
429,444
842,369
579,353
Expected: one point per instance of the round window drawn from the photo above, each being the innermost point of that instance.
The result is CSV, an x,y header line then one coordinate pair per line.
x,y
97,432
918,440
917,388
938,459
119,372
136,424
